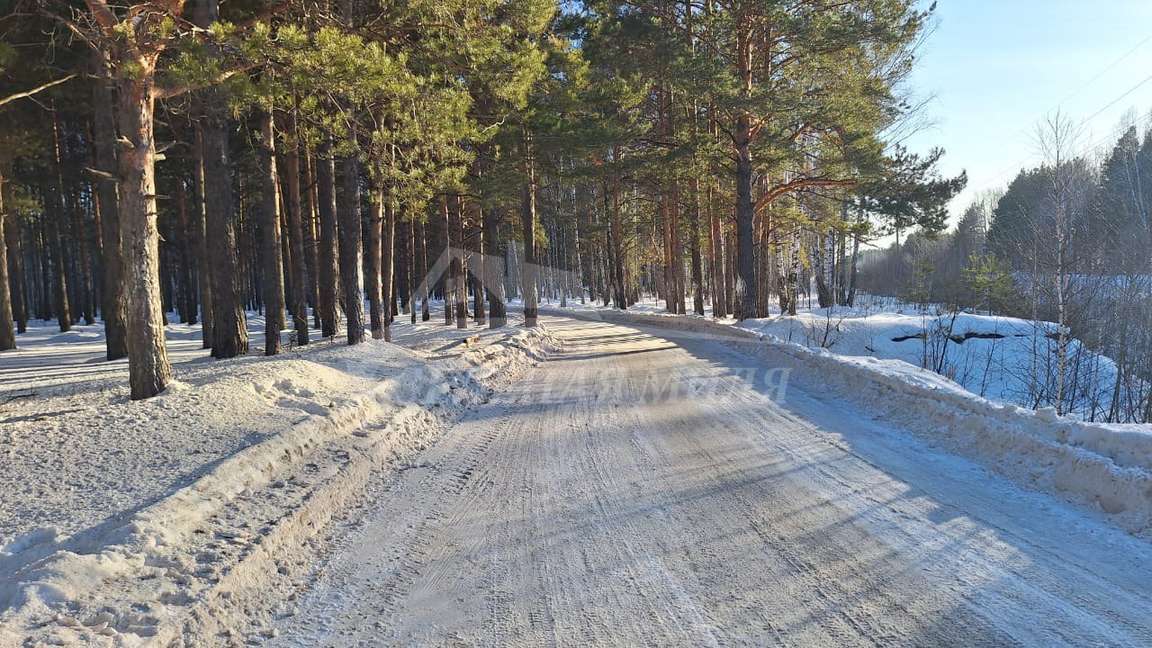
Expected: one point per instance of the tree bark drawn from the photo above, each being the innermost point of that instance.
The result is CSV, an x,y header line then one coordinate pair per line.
x,y
350,248
16,283
528,224
104,150
298,252
148,368
373,249
7,331
199,226
387,262
55,237
326,199
459,273
853,271
422,257
497,309
746,288
697,263
448,280
616,246
478,269
716,258
310,225
273,271
229,329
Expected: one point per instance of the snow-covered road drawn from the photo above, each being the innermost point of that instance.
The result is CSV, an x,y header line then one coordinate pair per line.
x,y
645,487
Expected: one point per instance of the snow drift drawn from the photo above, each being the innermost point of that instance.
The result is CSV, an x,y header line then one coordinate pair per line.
x,y
167,572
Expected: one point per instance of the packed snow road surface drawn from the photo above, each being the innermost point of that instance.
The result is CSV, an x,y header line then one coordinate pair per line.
x,y
647,487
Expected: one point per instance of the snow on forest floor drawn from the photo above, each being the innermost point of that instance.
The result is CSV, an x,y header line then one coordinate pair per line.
x,y
1105,467
109,502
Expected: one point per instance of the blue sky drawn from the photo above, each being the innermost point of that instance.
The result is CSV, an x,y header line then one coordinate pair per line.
x,y
995,68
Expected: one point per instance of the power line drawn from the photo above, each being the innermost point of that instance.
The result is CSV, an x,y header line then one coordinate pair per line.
x,y
1101,73
1019,164
1118,99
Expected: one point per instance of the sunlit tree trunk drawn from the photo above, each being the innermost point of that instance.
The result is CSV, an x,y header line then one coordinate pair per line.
x,y
273,271
148,368
7,330
528,226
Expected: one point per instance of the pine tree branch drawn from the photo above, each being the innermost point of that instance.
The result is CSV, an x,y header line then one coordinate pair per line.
x,y
36,90
796,185
174,91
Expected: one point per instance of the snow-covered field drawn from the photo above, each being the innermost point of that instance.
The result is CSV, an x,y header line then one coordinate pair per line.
x,y
125,519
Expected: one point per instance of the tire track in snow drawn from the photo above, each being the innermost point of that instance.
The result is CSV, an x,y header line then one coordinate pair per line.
x,y
573,510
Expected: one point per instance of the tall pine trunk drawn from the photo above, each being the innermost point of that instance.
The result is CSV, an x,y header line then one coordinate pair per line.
x,y
200,234
229,329
528,226
350,246
746,289
12,239
7,331
387,261
372,249
310,225
448,278
479,269
326,199
494,285
697,263
459,273
298,253
273,271
716,258
55,237
616,245
104,159
422,257
148,368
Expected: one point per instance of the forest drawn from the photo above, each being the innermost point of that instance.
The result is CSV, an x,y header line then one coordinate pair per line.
x,y
203,160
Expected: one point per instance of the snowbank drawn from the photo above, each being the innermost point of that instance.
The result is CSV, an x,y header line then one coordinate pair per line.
x,y
305,434
1105,467
1004,359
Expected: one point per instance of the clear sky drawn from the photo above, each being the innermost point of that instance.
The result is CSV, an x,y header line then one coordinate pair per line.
x,y
995,68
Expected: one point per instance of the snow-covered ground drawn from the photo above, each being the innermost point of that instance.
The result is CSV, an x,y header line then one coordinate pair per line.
x,y
1105,467
181,517
1005,359
647,487
121,519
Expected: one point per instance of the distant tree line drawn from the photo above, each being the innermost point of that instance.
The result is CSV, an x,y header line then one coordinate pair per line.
x,y
1069,241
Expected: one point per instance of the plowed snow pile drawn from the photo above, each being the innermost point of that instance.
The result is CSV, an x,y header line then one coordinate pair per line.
x,y
124,522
